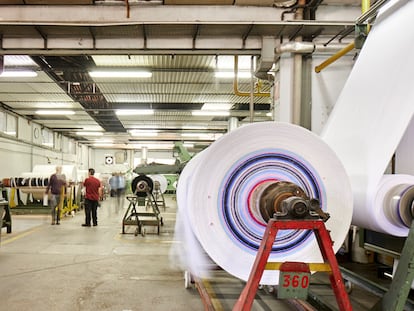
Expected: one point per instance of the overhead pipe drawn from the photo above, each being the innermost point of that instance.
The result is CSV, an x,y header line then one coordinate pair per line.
x,y
127,7
334,57
310,47
365,4
368,11
303,47
251,103
236,83
297,73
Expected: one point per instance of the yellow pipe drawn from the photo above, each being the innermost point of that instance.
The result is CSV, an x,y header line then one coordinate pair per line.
x,y
334,57
235,83
365,5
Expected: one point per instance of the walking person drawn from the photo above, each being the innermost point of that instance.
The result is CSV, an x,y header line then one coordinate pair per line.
x,y
92,185
57,182
120,181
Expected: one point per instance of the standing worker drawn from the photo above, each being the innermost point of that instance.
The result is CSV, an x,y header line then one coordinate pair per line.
x,y
120,191
92,186
56,182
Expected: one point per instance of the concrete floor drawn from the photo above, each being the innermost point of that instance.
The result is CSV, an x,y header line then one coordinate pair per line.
x,y
70,267
75,268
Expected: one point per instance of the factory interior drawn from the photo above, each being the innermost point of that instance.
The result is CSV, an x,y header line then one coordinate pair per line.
x,y
251,155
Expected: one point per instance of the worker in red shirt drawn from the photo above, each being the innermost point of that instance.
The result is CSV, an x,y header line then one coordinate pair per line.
x,y
92,185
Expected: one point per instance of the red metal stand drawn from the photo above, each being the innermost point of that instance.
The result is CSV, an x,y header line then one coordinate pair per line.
x,y
245,301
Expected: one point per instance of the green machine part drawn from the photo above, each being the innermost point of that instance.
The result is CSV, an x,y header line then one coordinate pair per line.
x,y
171,182
400,286
182,152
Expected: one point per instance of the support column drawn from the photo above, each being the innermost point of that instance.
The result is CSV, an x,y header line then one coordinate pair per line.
x,y
233,123
144,155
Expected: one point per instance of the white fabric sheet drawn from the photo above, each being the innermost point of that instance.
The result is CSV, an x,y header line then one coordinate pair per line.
x,y
373,112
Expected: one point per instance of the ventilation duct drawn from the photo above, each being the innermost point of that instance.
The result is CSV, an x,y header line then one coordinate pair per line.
x,y
266,60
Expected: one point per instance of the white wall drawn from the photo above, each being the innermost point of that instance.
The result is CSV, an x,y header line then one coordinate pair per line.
x,y
19,154
284,107
326,87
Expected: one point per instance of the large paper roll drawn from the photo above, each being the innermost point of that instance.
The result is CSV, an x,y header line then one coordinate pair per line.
x,y
188,252
373,112
217,194
163,183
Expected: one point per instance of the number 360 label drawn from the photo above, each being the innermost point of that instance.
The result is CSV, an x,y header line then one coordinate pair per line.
x,y
293,285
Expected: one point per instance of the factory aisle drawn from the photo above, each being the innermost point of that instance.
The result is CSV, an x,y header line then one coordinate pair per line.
x,y
70,267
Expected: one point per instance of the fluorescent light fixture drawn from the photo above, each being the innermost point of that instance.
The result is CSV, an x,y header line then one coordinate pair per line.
x,y
19,73
194,127
134,112
89,133
209,136
218,135
216,106
120,74
210,113
188,145
47,144
103,145
198,135
104,140
54,105
55,112
226,62
153,146
230,74
18,61
12,133
145,133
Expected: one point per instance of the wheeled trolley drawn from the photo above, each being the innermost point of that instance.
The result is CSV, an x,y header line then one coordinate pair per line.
x,y
134,217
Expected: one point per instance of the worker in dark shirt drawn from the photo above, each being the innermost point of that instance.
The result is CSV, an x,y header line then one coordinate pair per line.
x,y
57,182
92,185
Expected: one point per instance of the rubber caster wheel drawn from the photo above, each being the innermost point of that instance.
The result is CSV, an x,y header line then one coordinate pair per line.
x,y
348,286
187,279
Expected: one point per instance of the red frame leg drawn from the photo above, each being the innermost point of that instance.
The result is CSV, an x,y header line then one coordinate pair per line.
x,y
245,301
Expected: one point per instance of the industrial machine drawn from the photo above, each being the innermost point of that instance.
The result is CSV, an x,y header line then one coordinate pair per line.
x,y
142,187
285,206
182,157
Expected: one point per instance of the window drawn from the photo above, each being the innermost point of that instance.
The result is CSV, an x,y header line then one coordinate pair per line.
x,y
8,123
47,138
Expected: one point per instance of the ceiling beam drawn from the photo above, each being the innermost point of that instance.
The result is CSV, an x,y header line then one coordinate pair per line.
x,y
107,15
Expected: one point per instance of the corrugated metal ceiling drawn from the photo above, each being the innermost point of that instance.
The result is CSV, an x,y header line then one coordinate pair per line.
x,y
180,82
